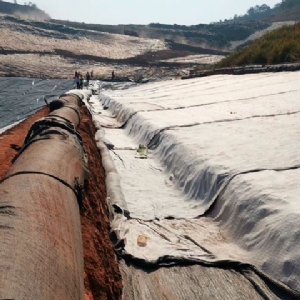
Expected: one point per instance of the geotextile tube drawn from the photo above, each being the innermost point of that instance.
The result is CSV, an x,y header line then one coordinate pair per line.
x,y
41,255
115,197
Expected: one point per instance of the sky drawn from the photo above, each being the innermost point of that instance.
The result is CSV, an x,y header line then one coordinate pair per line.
x,y
183,12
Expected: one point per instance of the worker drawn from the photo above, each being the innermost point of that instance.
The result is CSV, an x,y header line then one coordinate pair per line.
x,y
87,77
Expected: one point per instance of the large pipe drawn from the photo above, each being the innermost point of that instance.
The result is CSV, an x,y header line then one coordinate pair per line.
x,y
41,255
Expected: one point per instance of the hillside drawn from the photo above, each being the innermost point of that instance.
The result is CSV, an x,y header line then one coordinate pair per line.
x,y
213,36
224,35
53,50
284,10
35,46
286,15
279,46
28,11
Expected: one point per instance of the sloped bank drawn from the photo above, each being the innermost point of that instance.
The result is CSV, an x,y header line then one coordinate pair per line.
x,y
161,256
102,277
216,144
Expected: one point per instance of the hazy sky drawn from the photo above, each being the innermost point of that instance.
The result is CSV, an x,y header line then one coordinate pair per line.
x,y
185,12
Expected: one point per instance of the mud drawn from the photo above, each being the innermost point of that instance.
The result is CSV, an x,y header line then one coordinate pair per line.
x,y
102,276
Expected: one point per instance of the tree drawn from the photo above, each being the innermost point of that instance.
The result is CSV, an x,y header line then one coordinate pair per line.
x,y
288,4
264,8
251,11
258,9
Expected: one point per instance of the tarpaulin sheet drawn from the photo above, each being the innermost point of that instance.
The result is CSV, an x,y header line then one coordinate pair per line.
x,y
238,127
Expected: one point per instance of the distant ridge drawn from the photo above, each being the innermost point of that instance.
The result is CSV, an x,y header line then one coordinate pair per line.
x,y
24,11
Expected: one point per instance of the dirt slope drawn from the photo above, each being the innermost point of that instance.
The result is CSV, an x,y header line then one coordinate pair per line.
x,y
51,50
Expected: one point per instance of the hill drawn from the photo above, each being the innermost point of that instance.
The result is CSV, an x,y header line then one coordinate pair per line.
x,y
224,35
279,46
285,10
36,46
47,49
213,36
27,11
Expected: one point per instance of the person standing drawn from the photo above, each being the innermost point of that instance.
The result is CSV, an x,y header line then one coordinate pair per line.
x,y
77,81
87,77
81,81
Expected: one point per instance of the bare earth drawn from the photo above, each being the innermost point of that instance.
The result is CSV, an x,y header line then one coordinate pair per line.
x,y
43,49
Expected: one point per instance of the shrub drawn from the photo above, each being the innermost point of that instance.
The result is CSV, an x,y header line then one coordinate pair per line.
x,y
278,46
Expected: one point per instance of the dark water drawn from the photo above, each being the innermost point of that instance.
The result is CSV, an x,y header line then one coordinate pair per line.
x,y
21,97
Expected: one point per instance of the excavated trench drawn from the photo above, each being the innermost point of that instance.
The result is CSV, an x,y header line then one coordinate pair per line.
x,y
102,277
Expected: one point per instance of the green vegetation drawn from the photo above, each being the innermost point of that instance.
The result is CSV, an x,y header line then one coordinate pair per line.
x,y
282,11
279,46
289,4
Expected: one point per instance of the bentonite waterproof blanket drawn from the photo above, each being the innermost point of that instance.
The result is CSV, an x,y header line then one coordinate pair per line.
x,y
228,144
21,97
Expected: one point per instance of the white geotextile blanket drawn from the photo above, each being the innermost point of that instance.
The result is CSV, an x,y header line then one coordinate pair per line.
x,y
230,144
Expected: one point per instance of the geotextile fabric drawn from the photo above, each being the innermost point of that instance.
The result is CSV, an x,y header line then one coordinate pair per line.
x,y
228,144
41,254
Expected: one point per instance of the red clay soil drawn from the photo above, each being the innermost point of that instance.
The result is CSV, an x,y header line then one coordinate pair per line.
x,y
102,277
16,136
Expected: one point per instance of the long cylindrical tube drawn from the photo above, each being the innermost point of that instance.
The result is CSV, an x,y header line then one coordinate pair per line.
x,y
41,254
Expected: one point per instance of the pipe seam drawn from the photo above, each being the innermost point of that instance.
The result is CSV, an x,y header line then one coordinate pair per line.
x,y
77,189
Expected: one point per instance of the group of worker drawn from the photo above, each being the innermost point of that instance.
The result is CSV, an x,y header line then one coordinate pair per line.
x,y
79,79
